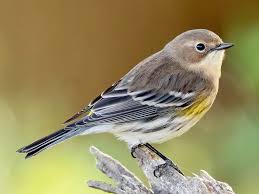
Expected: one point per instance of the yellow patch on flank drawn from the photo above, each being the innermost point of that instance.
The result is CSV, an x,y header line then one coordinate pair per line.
x,y
90,113
197,108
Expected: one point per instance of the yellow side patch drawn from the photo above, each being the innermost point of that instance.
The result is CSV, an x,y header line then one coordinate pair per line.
x,y
90,113
197,108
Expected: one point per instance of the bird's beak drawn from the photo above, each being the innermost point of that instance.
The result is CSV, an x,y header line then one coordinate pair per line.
x,y
223,46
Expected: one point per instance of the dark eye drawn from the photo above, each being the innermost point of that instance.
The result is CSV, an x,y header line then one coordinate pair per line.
x,y
200,47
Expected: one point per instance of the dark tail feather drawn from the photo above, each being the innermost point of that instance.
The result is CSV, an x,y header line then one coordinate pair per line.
x,y
47,142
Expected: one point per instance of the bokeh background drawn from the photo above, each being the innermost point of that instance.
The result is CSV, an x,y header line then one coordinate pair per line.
x,y
55,56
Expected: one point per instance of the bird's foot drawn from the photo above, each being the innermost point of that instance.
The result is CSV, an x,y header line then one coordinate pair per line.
x,y
133,149
158,172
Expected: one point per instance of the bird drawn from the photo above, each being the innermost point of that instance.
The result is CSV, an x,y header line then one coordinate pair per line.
x,y
160,98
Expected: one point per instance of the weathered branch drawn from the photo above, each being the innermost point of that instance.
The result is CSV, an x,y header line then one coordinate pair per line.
x,y
171,181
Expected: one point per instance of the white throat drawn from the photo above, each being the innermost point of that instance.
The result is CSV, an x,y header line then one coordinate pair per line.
x,y
211,64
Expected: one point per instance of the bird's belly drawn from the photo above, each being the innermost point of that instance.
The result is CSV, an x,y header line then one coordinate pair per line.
x,y
156,131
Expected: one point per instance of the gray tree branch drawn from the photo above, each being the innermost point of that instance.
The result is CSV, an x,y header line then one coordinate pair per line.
x,y
171,181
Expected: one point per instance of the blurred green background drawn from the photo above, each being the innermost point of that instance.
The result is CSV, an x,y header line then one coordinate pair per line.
x,y
55,56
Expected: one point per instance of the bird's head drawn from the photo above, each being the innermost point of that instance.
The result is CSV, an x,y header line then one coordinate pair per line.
x,y
199,50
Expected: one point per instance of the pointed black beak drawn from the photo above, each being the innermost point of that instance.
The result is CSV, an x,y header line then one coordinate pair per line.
x,y
223,46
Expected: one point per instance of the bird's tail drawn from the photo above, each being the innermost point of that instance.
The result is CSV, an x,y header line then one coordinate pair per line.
x,y
48,141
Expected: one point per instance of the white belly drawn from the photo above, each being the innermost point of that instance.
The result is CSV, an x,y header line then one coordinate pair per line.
x,y
150,132
176,128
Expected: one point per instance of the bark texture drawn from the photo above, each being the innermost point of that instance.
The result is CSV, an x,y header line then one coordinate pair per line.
x,y
170,181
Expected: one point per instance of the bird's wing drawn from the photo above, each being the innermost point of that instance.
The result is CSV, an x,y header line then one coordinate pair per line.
x,y
117,101
152,88
120,105
123,83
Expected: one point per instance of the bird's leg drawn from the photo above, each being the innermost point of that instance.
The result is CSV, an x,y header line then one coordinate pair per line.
x,y
133,148
160,168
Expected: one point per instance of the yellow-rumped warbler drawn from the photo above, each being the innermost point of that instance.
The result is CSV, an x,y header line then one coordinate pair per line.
x,y
160,98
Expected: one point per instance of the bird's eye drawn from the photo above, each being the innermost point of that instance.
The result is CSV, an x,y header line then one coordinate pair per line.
x,y
200,47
